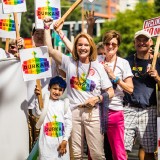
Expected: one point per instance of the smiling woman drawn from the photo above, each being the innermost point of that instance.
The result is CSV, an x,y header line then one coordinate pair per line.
x,y
85,80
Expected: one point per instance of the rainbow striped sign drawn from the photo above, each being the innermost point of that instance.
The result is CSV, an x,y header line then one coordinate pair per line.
x,y
35,63
42,12
35,66
54,129
46,8
7,24
13,2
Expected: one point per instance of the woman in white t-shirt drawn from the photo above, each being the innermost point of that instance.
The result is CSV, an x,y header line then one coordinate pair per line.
x,y
121,75
85,79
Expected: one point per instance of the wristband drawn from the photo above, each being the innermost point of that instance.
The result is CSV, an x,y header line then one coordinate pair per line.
x,y
115,81
62,37
46,27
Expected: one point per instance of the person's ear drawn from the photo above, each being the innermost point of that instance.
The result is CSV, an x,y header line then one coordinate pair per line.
x,y
49,88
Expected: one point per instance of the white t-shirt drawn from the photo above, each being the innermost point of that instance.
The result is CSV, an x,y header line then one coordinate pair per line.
x,y
44,84
56,127
122,70
80,90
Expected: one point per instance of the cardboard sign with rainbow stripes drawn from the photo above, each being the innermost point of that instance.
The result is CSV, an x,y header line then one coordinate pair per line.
x,y
7,24
35,63
46,8
10,6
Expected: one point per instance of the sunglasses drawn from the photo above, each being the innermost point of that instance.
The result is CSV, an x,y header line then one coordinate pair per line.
x,y
12,47
114,45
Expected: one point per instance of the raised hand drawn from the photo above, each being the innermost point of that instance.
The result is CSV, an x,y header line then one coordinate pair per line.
x,y
48,21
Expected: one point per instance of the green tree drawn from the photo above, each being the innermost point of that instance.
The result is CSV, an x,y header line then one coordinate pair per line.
x,y
28,18
157,5
128,23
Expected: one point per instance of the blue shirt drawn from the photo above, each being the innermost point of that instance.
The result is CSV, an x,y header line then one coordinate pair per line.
x,y
144,94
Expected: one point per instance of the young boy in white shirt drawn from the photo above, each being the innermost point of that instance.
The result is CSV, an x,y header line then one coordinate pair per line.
x,y
57,125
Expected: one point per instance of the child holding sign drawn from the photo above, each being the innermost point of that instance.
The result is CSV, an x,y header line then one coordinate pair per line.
x,y
57,123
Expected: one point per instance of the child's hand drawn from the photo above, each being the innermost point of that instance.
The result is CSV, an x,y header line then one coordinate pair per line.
x,y
37,91
62,148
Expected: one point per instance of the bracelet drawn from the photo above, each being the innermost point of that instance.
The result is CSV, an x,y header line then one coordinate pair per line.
x,y
46,27
62,37
115,81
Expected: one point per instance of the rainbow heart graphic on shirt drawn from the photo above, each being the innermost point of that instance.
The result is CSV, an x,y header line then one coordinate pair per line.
x,y
54,129
13,2
7,24
82,84
35,65
43,12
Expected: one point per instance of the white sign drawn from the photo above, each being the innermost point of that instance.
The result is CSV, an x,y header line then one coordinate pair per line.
x,y
7,24
35,63
10,6
44,9
152,26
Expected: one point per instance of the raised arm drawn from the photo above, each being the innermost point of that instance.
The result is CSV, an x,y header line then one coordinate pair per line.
x,y
89,16
55,54
63,37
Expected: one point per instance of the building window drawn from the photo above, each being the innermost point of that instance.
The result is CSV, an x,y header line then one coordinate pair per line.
x,y
113,10
98,8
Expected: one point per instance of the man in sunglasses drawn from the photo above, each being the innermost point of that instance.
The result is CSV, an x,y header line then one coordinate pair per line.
x,y
14,46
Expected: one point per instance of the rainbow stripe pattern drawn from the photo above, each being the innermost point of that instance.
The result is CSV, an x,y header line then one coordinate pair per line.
x,y
35,65
13,2
82,85
54,129
42,12
7,24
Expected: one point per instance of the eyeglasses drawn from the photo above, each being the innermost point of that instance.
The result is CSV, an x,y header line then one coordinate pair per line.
x,y
12,47
114,45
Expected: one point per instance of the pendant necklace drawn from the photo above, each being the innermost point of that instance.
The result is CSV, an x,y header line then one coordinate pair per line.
x,y
85,78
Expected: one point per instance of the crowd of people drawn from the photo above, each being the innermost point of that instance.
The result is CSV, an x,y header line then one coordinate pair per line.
x,y
112,100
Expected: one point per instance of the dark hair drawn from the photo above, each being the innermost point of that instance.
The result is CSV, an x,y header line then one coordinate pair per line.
x,y
58,80
112,34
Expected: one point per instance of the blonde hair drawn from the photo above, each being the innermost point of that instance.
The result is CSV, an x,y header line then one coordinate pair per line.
x,y
93,50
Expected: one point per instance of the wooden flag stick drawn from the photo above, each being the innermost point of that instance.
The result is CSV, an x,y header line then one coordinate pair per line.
x,y
7,45
156,50
16,25
62,19
40,101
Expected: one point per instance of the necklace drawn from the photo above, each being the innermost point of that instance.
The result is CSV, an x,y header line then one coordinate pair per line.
x,y
83,80
115,62
137,68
